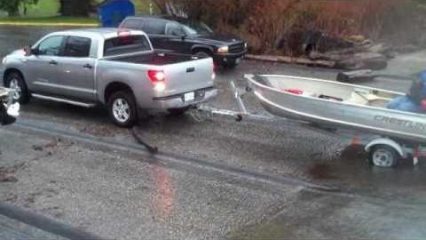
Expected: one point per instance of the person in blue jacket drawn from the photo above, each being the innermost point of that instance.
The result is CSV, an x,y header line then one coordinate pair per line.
x,y
415,100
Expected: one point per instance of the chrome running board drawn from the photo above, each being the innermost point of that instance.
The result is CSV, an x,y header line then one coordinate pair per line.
x,y
63,100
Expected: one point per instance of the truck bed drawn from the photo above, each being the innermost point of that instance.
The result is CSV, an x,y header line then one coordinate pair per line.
x,y
156,58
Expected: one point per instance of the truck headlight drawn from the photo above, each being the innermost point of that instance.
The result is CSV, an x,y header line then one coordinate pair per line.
x,y
3,61
224,49
245,45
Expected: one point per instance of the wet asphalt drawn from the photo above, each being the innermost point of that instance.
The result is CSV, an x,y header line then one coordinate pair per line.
x,y
122,195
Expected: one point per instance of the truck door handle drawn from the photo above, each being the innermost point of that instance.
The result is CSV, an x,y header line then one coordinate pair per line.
x,y
88,66
192,69
53,62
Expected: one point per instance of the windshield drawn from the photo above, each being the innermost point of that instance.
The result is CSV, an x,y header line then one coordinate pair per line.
x,y
196,28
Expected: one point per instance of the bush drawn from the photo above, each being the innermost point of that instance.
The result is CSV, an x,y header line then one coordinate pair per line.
x,y
282,26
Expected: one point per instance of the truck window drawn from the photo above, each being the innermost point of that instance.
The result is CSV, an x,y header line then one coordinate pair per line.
x,y
126,44
51,46
77,47
154,27
132,24
174,29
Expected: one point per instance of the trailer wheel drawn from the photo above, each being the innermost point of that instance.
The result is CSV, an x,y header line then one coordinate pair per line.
x,y
383,156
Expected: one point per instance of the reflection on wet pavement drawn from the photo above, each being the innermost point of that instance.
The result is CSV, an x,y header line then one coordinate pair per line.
x,y
164,192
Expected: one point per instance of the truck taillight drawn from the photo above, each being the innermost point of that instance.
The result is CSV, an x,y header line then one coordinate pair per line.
x,y
157,78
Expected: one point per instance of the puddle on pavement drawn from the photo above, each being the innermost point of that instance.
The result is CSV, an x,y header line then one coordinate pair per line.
x,y
321,171
325,169
352,172
271,230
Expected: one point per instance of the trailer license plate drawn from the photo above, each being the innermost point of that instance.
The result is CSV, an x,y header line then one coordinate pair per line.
x,y
189,96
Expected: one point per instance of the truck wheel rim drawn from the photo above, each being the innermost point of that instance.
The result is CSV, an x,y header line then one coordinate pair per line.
x,y
14,85
382,158
121,110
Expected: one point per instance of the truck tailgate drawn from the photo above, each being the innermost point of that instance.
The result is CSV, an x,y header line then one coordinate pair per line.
x,y
188,76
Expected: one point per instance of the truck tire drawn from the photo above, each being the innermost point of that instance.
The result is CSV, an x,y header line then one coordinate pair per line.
x,y
15,81
383,156
122,109
201,54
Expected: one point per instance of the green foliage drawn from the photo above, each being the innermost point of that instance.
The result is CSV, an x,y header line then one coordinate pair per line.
x,y
12,6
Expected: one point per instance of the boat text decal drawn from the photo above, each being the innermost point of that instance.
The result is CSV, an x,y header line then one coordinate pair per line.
x,y
400,122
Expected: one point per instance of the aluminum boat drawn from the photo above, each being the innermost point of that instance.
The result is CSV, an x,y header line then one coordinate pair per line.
x,y
338,105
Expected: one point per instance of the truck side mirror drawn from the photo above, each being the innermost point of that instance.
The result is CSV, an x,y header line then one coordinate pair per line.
x,y
27,50
35,51
30,51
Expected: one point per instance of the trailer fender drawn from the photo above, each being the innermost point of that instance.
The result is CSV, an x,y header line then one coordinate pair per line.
x,y
388,142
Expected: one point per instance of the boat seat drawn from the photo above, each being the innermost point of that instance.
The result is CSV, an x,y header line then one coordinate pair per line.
x,y
367,98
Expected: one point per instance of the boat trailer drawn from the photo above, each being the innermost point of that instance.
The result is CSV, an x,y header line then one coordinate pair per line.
x,y
383,151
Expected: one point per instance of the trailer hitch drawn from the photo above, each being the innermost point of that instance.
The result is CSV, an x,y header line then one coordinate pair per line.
x,y
202,112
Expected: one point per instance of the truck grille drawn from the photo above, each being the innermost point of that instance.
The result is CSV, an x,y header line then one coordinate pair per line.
x,y
236,48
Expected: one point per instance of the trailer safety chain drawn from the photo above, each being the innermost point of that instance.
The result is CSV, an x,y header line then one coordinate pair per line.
x,y
201,113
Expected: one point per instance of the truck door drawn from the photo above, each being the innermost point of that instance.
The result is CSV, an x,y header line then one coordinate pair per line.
x,y
177,39
42,67
77,69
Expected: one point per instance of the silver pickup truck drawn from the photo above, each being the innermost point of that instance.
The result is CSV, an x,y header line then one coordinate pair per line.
x,y
112,67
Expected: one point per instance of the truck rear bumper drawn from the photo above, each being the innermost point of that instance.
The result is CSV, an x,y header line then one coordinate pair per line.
x,y
178,101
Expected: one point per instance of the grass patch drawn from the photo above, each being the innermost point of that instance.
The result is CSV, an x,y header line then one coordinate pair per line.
x,y
44,8
45,13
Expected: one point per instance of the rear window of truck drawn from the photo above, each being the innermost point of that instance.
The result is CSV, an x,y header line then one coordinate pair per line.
x,y
126,44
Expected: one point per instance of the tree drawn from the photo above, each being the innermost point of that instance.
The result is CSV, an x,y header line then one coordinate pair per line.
x,y
75,8
12,6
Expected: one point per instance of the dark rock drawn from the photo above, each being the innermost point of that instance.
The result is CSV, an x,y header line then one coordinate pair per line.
x,y
37,148
8,178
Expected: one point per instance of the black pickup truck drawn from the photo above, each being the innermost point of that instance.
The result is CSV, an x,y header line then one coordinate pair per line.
x,y
189,37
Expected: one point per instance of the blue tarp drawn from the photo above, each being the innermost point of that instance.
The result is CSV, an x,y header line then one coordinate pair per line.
x,y
112,12
412,101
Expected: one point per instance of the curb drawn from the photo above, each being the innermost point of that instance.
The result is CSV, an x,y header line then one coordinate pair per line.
x,y
45,223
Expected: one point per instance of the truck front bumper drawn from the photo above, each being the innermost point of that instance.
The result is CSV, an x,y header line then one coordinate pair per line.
x,y
229,58
178,101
